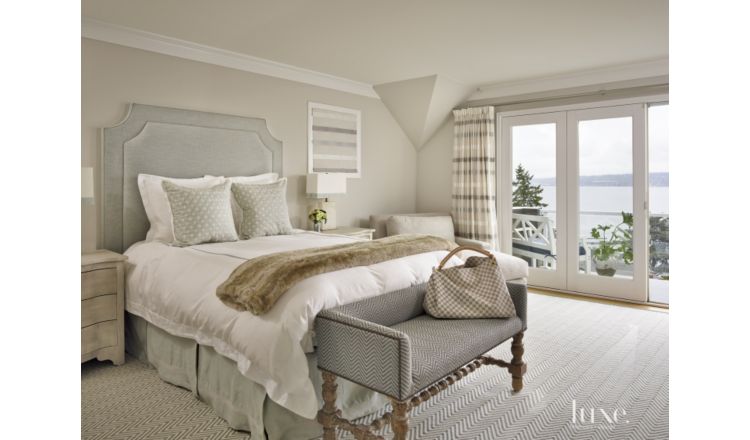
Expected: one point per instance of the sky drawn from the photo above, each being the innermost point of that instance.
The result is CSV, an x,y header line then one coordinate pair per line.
x,y
605,145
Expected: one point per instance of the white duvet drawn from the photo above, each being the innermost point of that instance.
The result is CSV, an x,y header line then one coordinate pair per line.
x,y
175,289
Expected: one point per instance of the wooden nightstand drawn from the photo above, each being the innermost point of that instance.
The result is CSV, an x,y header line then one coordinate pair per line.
x,y
103,306
352,232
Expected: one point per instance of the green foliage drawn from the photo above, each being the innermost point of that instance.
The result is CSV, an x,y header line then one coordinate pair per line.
x,y
625,240
618,242
318,216
606,248
659,246
524,193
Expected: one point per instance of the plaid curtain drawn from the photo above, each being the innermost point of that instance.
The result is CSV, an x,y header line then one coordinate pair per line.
x,y
473,206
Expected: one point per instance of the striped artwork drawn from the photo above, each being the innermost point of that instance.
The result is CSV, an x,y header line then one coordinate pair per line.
x,y
473,199
334,140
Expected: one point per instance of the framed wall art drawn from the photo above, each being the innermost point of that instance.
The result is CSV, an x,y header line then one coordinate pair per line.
x,y
334,137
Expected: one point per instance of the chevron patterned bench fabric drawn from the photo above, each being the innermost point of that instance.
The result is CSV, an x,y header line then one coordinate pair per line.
x,y
388,344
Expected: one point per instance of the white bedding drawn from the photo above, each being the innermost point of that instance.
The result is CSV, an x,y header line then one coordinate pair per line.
x,y
175,289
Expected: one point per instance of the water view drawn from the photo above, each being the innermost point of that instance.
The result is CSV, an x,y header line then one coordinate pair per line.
x,y
605,158
603,204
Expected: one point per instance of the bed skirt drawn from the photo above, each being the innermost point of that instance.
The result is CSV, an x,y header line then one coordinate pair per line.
x,y
215,380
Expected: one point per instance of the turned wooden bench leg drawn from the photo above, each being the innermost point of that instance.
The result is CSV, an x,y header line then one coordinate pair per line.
x,y
327,415
517,367
400,419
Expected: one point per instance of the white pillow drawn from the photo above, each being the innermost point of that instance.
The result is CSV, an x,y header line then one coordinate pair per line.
x,y
156,203
259,179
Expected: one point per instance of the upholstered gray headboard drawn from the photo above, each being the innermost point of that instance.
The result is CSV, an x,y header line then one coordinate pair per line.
x,y
174,143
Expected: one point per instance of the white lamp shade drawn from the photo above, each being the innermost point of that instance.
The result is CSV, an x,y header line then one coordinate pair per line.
x,y
320,186
87,183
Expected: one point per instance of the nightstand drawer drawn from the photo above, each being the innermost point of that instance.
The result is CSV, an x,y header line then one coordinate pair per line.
x,y
98,282
101,308
94,337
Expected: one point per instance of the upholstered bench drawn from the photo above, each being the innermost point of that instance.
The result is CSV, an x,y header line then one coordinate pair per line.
x,y
388,344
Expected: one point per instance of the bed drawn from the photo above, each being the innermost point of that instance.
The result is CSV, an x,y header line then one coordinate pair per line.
x,y
257,372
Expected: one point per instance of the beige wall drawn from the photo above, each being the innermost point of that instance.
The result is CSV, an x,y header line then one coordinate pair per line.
x,y
435,170
113,76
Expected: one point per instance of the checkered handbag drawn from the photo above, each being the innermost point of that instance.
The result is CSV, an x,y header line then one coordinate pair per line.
x,y
475,290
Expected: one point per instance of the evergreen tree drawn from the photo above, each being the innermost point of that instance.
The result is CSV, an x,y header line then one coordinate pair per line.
x,y
524,193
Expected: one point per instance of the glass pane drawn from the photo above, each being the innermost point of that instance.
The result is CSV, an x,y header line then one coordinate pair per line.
x,y
605,191
658,195
534,190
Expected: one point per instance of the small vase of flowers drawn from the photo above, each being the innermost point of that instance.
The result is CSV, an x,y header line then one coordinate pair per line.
x,y
318,217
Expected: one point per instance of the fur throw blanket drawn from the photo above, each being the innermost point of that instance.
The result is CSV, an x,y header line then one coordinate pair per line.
x,y
258,283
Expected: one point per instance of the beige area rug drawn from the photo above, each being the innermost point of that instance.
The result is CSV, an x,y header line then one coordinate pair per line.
x,y
589,356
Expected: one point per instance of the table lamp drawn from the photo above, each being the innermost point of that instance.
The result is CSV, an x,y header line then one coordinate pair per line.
x,y
321,186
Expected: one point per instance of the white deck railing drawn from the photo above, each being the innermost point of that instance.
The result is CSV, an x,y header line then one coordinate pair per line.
x,y
534,238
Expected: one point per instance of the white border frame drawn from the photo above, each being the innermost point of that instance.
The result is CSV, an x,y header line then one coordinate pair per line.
x,y
358,113
541,277
635,288
638,288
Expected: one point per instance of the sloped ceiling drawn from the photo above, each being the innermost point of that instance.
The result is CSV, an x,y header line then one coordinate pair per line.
x,y
421,105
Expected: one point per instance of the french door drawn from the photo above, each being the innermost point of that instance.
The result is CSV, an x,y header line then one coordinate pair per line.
x,y
572,189
535,233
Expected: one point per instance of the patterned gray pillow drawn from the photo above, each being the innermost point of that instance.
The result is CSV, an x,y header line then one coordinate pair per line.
x,y
264,210
200,215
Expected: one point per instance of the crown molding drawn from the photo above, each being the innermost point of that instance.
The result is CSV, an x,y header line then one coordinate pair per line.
x,y
136,38
658,68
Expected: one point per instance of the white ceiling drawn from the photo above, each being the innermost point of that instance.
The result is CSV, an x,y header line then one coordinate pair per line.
x,y
470,41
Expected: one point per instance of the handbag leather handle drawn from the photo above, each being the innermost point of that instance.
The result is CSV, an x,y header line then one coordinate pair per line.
x,y
463,248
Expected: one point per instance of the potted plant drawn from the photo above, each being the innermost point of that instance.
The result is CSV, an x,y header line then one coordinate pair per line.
x,y
318,217
618,244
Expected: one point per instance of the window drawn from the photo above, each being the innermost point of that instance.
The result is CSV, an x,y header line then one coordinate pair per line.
x,y
583,197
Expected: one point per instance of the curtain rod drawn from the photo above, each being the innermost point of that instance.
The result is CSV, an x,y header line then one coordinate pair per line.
x,y
479,103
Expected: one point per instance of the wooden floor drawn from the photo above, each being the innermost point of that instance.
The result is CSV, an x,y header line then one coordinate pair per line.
x,y
655,308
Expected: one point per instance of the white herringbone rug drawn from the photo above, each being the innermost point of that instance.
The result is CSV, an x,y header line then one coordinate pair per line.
x,y
594,357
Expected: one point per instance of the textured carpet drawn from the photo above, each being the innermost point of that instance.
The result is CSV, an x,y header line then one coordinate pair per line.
x,y
607,359
131,402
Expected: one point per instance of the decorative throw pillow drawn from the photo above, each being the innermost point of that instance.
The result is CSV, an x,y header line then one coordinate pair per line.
x,y
264,210
200,215
156,204
437,225
257,179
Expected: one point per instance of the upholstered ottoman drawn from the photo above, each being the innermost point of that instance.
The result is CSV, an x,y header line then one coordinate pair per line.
x,y
388,344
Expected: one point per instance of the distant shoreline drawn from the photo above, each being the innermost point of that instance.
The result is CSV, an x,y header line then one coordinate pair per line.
x,y
655,179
